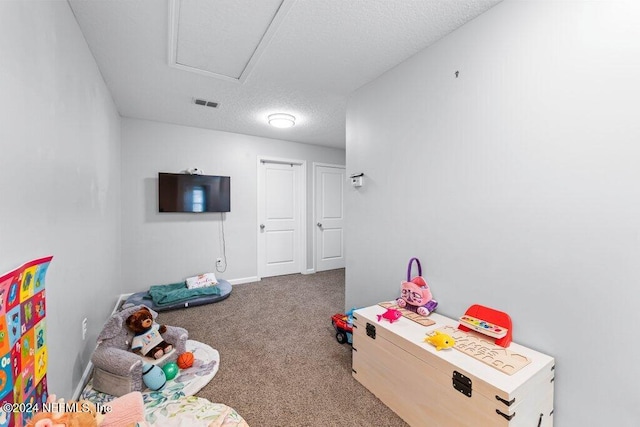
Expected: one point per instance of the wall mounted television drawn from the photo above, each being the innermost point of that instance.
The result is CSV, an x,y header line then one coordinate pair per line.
x,y
179,192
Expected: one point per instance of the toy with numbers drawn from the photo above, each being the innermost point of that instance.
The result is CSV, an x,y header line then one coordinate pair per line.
x,y
487,321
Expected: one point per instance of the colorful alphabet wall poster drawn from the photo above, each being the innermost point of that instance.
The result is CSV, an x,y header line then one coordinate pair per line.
x,y
23,366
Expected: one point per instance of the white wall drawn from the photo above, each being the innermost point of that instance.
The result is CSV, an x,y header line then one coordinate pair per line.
x,y
517,185
167,248
59,176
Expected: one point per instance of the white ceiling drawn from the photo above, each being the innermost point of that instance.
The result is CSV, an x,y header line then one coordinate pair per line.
x,y
257,57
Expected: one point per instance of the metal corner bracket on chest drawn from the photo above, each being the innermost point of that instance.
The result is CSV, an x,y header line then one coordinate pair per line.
x,y
461,383
464,385
371,331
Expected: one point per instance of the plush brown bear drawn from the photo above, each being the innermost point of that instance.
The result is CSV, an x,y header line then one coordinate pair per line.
x,y
67,414
147,341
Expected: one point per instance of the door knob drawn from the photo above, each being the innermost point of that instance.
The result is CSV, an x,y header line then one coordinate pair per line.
x,y
261,226
319,224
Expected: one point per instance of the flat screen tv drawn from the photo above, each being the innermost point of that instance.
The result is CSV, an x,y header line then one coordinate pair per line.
x,y
179,192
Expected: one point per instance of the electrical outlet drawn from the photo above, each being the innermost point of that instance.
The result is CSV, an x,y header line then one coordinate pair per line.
x,y
84,328
219,262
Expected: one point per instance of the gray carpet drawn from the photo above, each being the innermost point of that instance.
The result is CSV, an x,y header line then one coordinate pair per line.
x,y
280,364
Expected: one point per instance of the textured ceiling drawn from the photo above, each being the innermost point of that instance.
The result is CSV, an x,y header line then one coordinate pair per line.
x,y
299,57
221,38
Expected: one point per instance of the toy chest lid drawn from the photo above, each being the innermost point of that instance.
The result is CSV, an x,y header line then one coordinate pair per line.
x,y
481,378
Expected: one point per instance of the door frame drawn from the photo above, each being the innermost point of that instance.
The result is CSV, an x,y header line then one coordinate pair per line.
x,y
302,220
315,166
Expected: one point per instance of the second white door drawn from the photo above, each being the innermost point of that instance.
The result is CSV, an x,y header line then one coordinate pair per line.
x,y
329,206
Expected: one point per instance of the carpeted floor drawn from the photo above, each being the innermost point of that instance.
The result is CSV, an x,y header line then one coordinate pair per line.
x,y
280,364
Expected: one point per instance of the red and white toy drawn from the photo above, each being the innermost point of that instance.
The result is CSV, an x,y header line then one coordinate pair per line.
x,y
492,323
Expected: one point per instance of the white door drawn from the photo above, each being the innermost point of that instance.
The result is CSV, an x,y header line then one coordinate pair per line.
x,y
329,216
279,218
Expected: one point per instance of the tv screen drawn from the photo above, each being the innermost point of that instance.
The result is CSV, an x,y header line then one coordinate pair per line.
x,y
193,193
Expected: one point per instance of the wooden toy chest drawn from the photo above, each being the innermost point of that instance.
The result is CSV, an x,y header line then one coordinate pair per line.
x,y
447,388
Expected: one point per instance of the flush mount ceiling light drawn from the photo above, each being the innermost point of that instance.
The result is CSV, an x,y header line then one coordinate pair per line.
x,y
282,120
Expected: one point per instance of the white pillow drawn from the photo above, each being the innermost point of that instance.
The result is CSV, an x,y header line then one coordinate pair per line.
x,y
201,281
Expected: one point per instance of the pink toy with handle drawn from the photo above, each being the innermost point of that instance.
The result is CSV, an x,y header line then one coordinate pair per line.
x,y
415,293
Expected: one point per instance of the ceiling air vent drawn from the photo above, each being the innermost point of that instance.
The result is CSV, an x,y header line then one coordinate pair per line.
x,y
205,103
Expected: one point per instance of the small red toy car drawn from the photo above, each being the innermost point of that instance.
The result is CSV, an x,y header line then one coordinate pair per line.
x,y
343,324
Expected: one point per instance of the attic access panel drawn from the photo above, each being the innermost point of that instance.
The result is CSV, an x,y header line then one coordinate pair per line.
x,y
222,38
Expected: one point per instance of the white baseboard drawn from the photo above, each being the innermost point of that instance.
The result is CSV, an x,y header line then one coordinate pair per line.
x,y
122,298
309,271
83,381
244,280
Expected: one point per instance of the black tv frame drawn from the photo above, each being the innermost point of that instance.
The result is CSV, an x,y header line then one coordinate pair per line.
x,y
186,193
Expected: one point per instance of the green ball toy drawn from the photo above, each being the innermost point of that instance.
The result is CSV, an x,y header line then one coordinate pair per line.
x,y
170,370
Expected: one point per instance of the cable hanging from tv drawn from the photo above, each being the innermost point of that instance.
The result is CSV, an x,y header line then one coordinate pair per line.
x,y
224,246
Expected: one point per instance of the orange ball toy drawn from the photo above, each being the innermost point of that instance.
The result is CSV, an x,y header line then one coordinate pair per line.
x,y
185,360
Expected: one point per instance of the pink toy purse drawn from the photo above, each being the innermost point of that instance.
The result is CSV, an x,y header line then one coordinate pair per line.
x,y
415,293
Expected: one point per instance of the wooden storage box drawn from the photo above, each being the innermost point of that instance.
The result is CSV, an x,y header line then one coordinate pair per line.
x,y
447,388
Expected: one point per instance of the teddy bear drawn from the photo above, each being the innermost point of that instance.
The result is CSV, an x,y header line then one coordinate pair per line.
x,y
67,414
148,340
123,411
